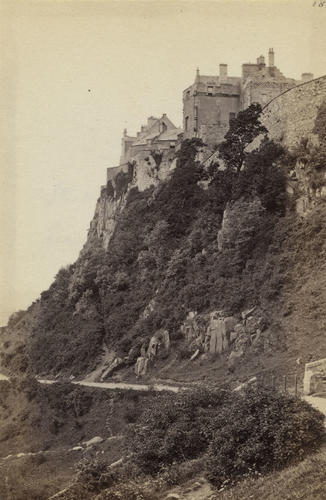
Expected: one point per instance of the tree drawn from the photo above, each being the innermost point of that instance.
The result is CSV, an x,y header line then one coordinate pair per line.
x,y
243,130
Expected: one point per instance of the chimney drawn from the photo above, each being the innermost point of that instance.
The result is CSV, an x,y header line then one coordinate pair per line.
x,y
271,58
306,77
150,121
223,73
261,61
197,79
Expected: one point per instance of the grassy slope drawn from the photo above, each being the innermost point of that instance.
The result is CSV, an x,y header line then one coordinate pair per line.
x,y
306,480
53,419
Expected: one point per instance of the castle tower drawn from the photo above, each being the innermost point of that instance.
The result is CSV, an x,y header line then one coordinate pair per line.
x,y
223,73
209,104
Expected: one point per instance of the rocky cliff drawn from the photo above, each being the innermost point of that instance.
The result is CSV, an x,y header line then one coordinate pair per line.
x,y
189,271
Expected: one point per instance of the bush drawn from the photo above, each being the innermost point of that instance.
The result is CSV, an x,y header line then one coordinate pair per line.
x,y
261,431
173,429
236,434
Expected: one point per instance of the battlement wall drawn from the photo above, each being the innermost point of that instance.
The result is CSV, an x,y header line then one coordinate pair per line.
x,y
291,116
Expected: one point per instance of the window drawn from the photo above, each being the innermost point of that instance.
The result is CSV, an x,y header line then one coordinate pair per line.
x,y
231,116
186,123
210,89
164,127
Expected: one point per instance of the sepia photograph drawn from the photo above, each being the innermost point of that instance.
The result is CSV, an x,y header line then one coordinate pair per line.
x,y
163,250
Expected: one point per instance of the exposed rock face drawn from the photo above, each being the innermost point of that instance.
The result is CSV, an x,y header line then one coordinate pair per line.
x,y
218,333
114,365
235,234
146,173
105,218
159,343
141,366
159,346
307,183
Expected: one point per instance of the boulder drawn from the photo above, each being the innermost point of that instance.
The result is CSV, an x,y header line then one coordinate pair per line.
x,y
153,347
141,366
143,350
160,342
165,339
113,366
93,441
240,387
195,355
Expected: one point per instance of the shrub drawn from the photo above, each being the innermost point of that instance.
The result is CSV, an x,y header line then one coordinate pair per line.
x,y
261,431
173,428
236,434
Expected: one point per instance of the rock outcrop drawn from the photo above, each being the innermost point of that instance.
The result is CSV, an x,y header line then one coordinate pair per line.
x,y
219,333
159,347
142,173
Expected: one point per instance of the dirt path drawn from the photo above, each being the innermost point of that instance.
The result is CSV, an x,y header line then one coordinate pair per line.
x,y
318,403
120,385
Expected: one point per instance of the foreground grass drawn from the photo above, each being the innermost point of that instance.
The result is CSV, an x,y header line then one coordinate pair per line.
x,y
307,480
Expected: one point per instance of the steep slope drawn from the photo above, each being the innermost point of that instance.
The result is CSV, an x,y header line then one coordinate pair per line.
x,y
194,273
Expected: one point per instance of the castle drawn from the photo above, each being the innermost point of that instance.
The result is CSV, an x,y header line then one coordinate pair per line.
x,y
158,135
208,106
212,101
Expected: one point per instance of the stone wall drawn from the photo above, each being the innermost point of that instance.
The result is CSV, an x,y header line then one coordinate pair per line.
x,y
291,115
315,377
208,116
263,92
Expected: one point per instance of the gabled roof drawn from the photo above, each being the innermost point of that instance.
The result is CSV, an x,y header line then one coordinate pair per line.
x,y
153,132
170,135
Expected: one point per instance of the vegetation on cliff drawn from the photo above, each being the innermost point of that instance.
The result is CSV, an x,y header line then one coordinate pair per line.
x,y
174,251
164,251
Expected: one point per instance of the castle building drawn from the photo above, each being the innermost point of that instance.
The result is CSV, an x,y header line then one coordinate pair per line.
x,y
212,101
208,106
159,134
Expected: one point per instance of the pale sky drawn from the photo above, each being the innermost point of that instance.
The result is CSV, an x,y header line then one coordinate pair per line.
x,y
74,74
